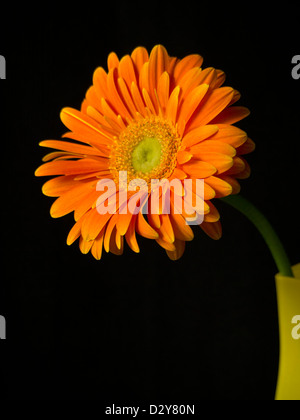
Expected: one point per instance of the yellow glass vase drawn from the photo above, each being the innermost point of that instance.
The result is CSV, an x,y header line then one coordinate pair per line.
x,y
288,298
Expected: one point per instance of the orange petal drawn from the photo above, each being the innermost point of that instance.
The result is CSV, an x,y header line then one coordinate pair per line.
x,y
184,65
83,124
191,102
213,146
199,134
166,230
221,162
209,192
198,169
85,103
86,204
158,64
190,81
113,242
114,97
183,157
77,167
149,102
215,103
213,215
110,228
131,236
181,229
179,250
220,78
92,100
213,230
68,202
144,229
70,147
163,90
93,224
60,156
235,98
100,83
172,63
230,135
178,174
231,115
139,57
111,116
97,246
116,245
127,97
246,148
112,61
57,186
90,176
85,246
246,172
208,76
154,220
166,245
74,232
127,71
220,186
237,167
172,106
137,98
93,139
236,188
144,77
95,114
123,223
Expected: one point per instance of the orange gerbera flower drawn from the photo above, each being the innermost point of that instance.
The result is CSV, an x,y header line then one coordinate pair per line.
x,y
151,117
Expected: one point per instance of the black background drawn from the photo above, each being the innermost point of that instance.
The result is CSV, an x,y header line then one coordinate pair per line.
x,y
140,327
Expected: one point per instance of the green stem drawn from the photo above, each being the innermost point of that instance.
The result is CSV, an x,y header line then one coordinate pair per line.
x,y
266,230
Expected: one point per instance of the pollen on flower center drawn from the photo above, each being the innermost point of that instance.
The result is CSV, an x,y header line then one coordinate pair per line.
x,y
146,149
146,155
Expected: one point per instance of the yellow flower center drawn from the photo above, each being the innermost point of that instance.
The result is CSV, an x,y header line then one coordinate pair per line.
x,y
146,155
146,149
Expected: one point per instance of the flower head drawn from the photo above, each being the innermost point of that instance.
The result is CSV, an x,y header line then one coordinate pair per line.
x,y
151,118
